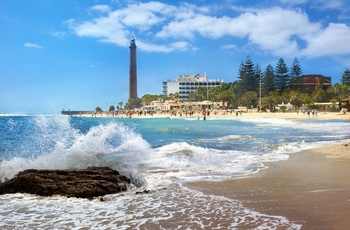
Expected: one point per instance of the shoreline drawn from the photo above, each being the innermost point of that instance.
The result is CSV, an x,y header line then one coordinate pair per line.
x,y
311,188
220,115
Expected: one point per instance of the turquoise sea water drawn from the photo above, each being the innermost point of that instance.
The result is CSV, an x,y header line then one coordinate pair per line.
x,y
157,153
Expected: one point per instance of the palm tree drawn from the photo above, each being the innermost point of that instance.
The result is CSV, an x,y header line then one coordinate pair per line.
x,y
319,94
226,96
148,98
249,99
296,99
199,95
268,102
120,105
111,109
341,92
306,99
98,109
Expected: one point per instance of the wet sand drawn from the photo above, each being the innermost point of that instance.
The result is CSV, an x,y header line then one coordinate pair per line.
x,y
312,188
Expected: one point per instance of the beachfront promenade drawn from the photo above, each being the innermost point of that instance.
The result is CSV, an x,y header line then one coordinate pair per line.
x,y
215,114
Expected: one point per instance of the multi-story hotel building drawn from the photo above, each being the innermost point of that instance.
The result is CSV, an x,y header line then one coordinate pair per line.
x,y
307,83
186,84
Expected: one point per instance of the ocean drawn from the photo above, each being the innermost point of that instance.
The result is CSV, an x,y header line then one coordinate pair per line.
x,y
160,155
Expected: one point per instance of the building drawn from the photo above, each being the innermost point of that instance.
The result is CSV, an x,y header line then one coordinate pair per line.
x,y
308,83
170,105
186,84
132,70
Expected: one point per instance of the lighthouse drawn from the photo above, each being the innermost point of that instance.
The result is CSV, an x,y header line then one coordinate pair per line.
x,y
132,71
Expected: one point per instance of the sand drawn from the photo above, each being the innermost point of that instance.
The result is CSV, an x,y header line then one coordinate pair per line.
x,y
249,114
312,188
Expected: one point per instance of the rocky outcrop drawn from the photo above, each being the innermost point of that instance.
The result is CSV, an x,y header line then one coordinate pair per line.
x,y
86,183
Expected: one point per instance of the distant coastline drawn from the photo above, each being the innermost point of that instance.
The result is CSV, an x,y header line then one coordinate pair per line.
x,y
73,112
220,114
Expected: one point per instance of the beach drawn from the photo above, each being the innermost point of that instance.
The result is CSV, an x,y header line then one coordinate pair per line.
x,y
255,170
224,114
311,188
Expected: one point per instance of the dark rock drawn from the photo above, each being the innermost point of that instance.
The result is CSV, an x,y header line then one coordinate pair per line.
x,y
143,192
137,179
86,183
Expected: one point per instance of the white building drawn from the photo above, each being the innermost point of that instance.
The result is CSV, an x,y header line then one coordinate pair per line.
x,y
186,84
182,106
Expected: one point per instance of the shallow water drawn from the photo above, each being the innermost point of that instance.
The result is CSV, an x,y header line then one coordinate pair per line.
x,y
161,153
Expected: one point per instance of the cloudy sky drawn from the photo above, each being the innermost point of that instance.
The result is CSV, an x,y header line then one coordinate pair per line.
x,y
74,54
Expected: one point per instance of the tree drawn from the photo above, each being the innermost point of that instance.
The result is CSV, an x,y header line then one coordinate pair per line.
x,y
258,74
226,96
120,104
282,78
286,94
199,95
295,73
248,79
98,109
111,108
274,99
133,103
148,98
296,99
268,102
269,80
306,99
173,96
345,79
295,70
249,99
341,92
319,94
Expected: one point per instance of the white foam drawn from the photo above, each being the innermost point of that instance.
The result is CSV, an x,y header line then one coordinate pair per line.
x,y
175,207
113,145
185,162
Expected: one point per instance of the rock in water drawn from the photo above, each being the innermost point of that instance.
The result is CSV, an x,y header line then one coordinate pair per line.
x,y
87,183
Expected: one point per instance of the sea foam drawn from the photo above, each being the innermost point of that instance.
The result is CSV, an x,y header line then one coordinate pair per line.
x,y
55,144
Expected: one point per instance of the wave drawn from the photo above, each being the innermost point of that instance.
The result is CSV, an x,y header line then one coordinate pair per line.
x,y
188,162
28,114
58,145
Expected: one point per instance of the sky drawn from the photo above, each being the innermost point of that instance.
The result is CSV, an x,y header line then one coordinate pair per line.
x,y
74,54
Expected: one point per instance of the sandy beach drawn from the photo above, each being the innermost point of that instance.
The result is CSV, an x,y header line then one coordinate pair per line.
x,y
221,114
312,188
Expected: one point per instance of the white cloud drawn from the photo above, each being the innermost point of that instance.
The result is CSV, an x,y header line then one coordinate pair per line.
x,y
58,34
100,8
273,30
175,46
229,47
106,29
333,40
32,45
276,30
268,29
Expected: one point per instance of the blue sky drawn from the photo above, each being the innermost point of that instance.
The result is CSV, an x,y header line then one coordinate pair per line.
x,y
74,54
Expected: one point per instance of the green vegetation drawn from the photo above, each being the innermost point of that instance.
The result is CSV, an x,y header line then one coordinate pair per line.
x,y
270,87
